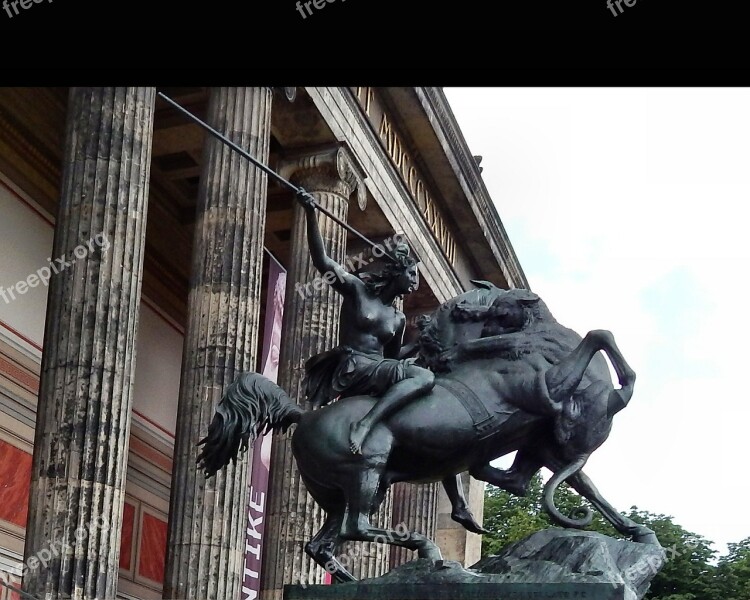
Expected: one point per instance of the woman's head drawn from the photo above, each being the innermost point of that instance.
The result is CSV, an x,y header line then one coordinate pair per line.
x,y
401,274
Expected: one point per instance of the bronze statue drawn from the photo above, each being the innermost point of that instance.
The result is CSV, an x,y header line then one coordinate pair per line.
x,y
508,378
369,358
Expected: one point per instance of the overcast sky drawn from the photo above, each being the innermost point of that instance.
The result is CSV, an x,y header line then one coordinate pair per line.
x,y
628,210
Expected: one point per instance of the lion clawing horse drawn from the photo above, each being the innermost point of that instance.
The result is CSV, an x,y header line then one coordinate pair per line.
x,y
509,378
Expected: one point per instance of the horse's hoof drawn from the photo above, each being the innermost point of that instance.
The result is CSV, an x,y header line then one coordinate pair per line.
x,y
474,527
466,519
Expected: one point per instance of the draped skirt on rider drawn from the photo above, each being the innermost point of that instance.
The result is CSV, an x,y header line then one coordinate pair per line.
x,y
344,371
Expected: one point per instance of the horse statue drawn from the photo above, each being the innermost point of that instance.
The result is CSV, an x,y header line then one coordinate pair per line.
x,y
509,378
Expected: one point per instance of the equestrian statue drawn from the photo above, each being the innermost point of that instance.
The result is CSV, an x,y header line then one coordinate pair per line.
x,y
492,373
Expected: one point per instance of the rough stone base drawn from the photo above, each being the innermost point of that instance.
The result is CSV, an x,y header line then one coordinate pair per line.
x,y
576,556
554,564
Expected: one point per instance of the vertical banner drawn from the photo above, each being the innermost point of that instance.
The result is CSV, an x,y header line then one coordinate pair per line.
x,y
259,467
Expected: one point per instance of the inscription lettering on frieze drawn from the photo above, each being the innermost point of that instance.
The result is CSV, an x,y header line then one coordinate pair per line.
x,y
408,170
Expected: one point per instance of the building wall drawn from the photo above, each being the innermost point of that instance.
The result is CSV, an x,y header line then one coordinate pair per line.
x,y
145,514
25,245
157,375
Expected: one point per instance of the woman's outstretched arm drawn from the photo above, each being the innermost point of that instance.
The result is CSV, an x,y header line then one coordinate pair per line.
x,y
333,273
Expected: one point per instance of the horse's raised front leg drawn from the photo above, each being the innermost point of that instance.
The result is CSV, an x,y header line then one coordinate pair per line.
x,y
563,378
460,512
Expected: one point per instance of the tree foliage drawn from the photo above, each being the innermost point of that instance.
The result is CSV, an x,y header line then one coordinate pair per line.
x,y
733,573
690,572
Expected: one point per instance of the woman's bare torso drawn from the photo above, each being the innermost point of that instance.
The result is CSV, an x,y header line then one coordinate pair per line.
x,y
367,324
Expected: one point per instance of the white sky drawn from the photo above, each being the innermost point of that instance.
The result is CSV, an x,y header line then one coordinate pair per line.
x,y
628,210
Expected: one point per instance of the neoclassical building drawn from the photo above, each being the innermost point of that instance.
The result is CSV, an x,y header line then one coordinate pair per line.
x,y
142,266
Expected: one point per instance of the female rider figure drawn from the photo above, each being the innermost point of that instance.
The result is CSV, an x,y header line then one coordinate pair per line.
x,y
369,357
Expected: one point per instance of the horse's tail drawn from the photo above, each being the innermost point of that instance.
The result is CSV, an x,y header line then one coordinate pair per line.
x,y
251,405
580,517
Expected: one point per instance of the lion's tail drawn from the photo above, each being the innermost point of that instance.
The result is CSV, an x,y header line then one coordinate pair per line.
x,y
581,516
251,405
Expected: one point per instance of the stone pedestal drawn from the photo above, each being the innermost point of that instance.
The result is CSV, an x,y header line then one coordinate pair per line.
x,y
85,396
207,518
460,591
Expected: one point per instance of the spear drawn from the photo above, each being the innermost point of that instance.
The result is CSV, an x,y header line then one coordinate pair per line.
x,y
266,169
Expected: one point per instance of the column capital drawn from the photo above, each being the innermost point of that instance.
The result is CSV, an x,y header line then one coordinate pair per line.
x,y
331,168
290,93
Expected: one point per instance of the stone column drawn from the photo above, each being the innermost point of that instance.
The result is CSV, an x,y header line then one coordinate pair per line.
x,y
207,518
311,323
83,415
414,506
455,542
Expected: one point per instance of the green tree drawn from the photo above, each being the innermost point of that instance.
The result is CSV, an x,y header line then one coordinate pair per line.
x,y
733,573
687,573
